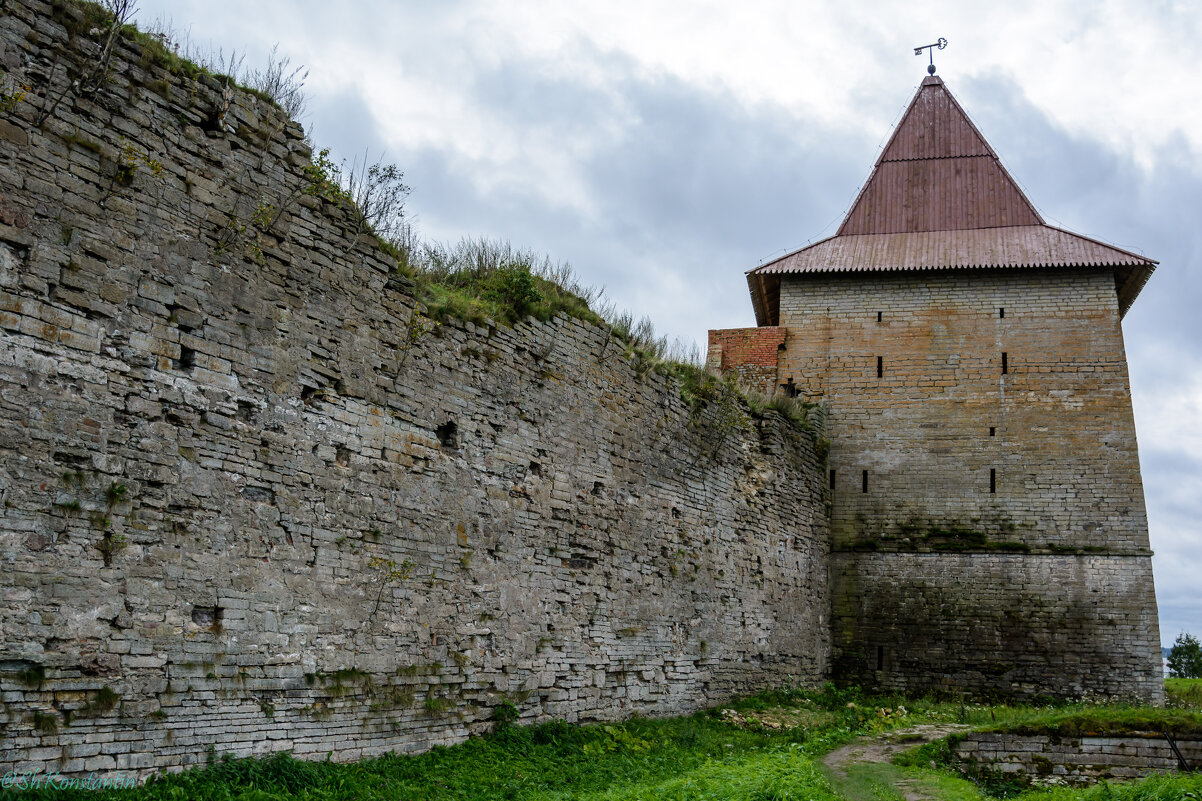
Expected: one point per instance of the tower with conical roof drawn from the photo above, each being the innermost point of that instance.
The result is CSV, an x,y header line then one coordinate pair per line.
x,y
988,529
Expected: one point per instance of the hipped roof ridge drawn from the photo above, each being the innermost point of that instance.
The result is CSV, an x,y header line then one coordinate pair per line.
x,y
935,130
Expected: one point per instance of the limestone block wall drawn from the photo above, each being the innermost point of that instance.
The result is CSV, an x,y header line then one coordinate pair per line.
x,y
1054,760
250,497
1055,429
987,507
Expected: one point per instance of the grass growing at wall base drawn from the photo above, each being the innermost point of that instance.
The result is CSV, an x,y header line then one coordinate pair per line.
x,y
764,747
691,757
988,785
1156,788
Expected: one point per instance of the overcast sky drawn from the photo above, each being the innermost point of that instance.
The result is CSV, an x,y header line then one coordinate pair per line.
x,y
664,148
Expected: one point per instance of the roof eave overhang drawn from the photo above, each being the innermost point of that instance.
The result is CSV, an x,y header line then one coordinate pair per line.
x,y
765,297
1129,280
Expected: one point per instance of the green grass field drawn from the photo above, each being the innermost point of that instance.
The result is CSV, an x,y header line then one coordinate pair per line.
x,y
769,747
1183,693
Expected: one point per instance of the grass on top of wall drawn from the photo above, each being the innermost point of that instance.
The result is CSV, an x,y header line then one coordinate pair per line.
x,y
489,282
1108,721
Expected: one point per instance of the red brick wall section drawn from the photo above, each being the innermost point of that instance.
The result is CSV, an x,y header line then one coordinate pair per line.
x,y
751,353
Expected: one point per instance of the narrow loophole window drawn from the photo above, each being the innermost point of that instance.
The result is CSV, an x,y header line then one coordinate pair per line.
x,y
832,479
1005,363
880,366
186,360
992,431
993,479
1002,312
880,657
878,317
864,482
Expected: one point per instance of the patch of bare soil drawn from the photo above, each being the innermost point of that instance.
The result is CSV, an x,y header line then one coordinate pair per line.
x,y
883,747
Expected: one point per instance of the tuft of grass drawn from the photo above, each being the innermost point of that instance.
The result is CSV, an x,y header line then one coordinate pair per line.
x,y
104,701
158,50
45,722
938,753
32,676
349,675
482,281
436,704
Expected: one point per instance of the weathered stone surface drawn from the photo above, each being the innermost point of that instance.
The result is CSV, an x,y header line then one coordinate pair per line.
x,y
1075,760
248,501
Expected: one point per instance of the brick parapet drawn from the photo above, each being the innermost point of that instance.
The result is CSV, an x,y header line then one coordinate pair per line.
x,y
749,354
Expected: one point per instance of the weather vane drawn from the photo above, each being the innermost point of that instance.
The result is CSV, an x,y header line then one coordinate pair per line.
x,y
942,43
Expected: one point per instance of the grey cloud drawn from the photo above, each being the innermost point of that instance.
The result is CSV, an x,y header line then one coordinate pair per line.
x,y
1098,193
693,185
344,122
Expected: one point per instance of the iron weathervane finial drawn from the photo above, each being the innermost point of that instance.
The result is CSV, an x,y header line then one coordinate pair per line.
x,y
942,43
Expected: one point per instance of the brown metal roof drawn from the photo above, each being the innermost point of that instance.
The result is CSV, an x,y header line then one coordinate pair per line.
x,y
935,127
939,198
1015,246
938,195
937,173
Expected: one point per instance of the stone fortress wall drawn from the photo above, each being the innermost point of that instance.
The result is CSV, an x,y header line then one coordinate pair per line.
x,y
251,498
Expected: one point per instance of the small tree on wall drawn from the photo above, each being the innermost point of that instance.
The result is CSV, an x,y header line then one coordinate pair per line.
x,y
1185,657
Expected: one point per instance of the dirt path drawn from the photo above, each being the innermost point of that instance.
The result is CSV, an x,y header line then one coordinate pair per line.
x,y
859,768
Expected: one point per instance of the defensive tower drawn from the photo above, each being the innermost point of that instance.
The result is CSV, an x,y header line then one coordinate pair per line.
x,y
987,514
